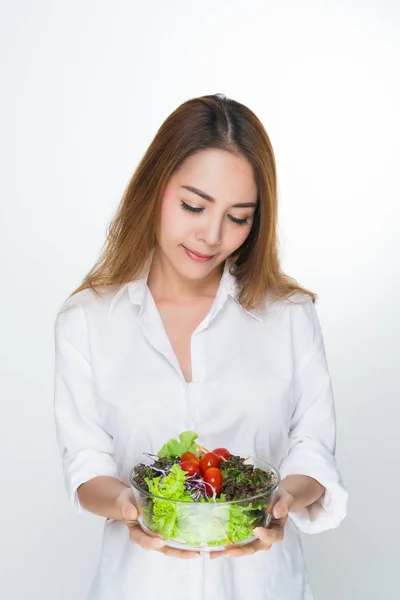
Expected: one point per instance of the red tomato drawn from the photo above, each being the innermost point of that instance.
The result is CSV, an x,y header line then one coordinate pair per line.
x,y
214,477
208,461
191,468
190,456
222,452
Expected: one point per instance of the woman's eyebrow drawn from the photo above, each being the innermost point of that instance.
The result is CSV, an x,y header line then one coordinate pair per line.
x,y
206,196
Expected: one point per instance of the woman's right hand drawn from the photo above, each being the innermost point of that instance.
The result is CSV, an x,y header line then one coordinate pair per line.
x,y
129,515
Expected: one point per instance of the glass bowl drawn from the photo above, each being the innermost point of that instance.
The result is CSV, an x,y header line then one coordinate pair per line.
x,y
206,526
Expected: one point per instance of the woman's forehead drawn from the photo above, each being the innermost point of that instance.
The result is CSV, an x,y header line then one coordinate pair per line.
x,y
219,176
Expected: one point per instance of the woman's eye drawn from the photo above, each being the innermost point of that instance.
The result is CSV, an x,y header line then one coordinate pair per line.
x,y
239,221
190,208
194,209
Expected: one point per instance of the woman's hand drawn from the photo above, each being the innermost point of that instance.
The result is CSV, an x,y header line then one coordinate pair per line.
x,y
129,515
266,535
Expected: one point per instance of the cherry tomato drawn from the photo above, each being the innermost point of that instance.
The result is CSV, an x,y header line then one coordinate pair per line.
x,y
190,456
191,468
214,477
208,461
222,452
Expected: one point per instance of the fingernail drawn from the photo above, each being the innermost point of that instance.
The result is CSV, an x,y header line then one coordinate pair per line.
x,y
160,543
257,531
278,512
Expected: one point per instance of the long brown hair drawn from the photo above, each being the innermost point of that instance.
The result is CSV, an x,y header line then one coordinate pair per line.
x,y
213,121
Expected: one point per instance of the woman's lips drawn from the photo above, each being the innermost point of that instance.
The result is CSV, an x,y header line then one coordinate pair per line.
x,y
196,256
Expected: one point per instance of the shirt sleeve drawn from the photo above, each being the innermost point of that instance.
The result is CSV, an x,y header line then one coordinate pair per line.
x,y
86,448
312,435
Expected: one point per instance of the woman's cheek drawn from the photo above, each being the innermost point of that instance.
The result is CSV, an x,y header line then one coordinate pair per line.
x,y
241,235
171,218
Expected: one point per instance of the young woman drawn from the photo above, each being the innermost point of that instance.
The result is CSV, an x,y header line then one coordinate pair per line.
x,y
187,322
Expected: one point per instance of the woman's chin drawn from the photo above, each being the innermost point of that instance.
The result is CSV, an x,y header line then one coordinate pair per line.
x,y
195,271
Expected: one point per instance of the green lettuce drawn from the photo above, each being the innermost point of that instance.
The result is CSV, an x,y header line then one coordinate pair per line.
x,y
165,514
243,519
169,486
174,448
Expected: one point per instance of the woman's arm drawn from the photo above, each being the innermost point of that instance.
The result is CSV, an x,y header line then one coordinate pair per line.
x,y
304,490
99,496
312,431
86,448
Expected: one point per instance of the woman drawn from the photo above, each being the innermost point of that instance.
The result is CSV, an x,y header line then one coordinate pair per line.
x,y
187,322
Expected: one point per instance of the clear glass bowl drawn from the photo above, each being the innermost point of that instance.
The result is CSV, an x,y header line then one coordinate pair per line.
x,y
208,526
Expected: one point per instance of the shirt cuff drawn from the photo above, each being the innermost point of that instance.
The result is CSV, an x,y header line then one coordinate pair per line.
x,y
82,467
331,508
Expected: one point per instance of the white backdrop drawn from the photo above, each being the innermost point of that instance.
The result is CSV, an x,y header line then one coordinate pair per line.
x,y
85,85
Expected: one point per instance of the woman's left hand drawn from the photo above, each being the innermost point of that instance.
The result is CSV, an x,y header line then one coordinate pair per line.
x,y
266,535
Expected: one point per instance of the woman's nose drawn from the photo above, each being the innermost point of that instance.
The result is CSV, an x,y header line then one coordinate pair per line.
x,y
212,232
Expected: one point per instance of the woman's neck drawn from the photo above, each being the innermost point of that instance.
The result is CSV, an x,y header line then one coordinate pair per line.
x,y
167,285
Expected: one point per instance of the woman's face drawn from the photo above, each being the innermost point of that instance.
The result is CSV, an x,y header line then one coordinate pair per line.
x,y
196,234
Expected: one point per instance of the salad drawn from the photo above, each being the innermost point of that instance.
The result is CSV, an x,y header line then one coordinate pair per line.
x,y
195,496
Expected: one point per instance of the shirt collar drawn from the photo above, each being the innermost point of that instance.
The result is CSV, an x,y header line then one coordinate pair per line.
x,y
228,287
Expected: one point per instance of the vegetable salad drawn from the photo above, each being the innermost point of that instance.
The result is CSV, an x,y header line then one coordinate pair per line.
x,y
202,497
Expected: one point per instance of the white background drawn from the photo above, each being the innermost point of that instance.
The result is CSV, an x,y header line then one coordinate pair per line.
x,y
85,85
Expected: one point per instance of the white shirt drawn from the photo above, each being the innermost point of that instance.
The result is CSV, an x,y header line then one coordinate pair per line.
x,y
260,386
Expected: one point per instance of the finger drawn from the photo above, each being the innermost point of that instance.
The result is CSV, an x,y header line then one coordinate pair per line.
x,y
175,553
126,505
147,542
129,512
270,535
216,554
283,503
248,549
281,509
274,523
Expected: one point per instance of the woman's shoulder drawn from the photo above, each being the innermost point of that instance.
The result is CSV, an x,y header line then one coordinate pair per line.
x,y
91,298
75,309
297,303
302,318
85,298
297,311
